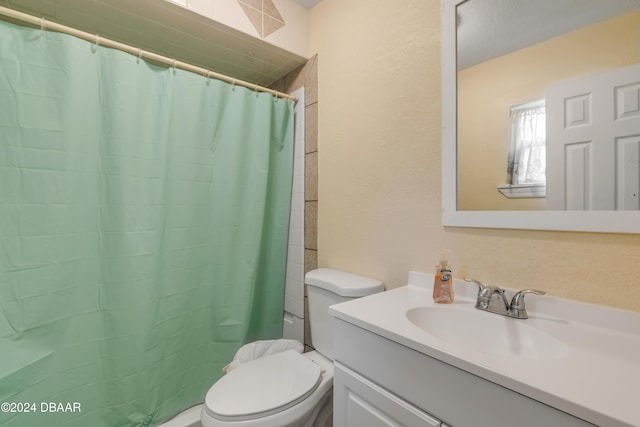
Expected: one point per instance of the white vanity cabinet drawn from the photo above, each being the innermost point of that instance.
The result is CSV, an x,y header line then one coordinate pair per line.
x,y
359,402
379,382
403,360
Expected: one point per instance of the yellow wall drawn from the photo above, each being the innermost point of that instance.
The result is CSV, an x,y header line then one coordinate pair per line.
x,y
379,168
488,90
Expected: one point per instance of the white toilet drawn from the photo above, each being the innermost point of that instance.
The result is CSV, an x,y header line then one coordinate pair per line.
x,y
289,388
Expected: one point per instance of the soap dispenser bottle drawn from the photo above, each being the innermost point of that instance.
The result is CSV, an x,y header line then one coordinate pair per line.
x,y
443,283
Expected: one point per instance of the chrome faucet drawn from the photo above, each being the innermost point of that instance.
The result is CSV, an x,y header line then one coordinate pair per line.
x,y
500,304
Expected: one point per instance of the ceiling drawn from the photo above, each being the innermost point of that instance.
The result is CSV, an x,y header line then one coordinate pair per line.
x,y
491,28
168,29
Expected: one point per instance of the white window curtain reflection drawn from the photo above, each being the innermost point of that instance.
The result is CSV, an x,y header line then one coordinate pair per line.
x,y
527,155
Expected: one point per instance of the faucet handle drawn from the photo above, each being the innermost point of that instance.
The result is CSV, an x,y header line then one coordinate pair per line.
x,y
477,282
518,298
517,306
485,293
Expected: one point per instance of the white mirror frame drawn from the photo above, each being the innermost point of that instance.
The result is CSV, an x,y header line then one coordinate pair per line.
x,y
591,221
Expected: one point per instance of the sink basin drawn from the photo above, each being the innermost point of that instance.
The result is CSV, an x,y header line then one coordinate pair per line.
x,y
486,332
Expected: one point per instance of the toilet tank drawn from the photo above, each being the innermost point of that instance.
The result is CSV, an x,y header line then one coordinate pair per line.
x,y
326,287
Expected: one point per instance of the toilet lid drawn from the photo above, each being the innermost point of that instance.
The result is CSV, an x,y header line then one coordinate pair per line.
x,y
262,387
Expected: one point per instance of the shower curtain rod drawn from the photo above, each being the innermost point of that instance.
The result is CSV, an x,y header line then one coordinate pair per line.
x,y
95,38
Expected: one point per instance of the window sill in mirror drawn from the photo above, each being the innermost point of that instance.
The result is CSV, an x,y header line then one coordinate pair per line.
x,y
523,191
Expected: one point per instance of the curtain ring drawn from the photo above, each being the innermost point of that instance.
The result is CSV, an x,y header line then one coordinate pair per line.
x,y
233,85
208,77
174,65
96,43
139,55
43,26
255,89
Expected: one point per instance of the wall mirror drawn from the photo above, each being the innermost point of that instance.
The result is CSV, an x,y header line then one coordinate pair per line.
x,y
541,114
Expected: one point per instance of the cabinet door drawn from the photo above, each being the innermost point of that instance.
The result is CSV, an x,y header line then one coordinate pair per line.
x,y
359,402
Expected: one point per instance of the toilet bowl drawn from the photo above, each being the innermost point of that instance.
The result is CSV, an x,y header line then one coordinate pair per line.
x,y
289,388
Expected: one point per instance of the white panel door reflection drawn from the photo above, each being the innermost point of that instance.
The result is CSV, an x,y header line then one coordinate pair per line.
x,y
593,142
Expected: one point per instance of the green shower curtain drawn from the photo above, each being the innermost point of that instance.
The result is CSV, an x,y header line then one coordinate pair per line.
x,y
143,231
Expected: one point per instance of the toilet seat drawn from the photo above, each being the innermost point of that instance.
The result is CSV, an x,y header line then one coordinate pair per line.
x,y
263,387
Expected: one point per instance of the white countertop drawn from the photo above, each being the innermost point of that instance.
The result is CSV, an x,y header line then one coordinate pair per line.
x,y
596,379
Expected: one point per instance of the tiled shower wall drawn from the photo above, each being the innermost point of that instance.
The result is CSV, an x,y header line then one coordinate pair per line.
x,y
307,76
293,322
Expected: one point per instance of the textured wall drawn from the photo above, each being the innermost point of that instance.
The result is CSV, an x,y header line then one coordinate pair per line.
x,y
379,168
